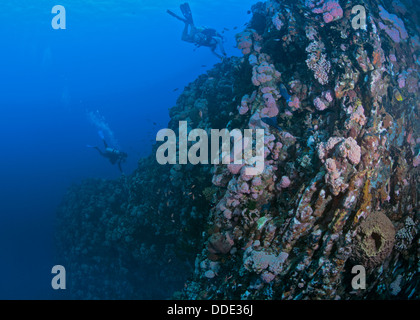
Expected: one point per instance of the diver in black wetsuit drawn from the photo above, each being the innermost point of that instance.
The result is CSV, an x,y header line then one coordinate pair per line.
x,y
206,37
115,156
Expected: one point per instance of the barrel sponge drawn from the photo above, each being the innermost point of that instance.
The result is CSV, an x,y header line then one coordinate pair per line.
x,y
374,240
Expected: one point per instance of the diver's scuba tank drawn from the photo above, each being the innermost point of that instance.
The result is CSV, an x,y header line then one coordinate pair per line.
x,y
112,150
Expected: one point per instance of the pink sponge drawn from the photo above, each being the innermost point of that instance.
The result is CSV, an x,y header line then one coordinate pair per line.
x,y
331,11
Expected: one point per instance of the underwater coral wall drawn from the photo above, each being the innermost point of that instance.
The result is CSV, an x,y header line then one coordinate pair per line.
x,y
340,186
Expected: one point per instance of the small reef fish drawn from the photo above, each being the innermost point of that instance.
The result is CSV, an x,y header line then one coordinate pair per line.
x,y
176,89
397,95
284,93
272,122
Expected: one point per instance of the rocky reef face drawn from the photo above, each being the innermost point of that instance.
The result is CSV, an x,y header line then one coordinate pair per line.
x,y
340,186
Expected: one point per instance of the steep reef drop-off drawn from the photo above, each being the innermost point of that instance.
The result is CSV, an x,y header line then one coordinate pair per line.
x,y
340,186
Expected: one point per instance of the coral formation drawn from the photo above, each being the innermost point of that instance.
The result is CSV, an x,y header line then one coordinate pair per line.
x,y
392,25
374,241
331,10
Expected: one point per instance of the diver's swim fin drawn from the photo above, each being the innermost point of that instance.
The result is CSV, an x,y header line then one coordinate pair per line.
x,y
176,16
186,11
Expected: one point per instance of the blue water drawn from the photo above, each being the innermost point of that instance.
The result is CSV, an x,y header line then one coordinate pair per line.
x,y
119,60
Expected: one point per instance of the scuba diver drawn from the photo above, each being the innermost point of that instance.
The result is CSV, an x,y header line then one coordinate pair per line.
x,y
206,37
112,154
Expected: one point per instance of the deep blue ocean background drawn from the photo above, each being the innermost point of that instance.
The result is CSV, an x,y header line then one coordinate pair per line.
x,y
116,67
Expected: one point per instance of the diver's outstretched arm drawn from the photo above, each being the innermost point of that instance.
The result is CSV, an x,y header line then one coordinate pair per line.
x,y
119,167
219,42
213,49
222,49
